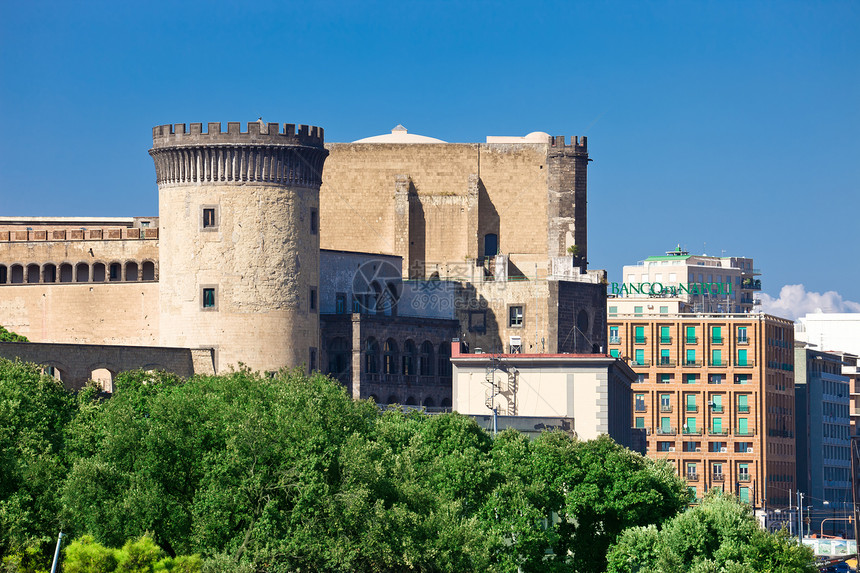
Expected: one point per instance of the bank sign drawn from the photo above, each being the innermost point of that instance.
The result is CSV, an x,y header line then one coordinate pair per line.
x,y
627,289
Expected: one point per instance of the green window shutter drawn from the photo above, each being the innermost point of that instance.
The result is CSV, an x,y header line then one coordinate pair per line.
x,y
717,424
691,334
691,424
716,357
742,401
640,334
745,494
691,356
664,356
742,357
640,422
640,356
613,310
664,335
716,334
665,424
614,353
743,425
691,401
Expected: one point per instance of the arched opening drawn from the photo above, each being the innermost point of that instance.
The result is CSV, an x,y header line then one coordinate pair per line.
x,y
131,271
411,401
429,403
99,273
582,321
4,274
491,245
444,362
54,372
115,272
390,357
446,403
388,302
82,273
374,398
408,359
391,400
49,273
104,378
425,365
338,357
66,273
148,271
371,356
33,272
16,276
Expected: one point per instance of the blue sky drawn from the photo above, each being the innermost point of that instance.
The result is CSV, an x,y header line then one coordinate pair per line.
x,y
727,127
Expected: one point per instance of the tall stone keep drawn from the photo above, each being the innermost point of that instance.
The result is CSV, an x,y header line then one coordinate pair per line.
x,y
239,241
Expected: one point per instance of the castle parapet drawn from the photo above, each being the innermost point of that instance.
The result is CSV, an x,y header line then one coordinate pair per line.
x,y
79,234
257,133
267,153
576,142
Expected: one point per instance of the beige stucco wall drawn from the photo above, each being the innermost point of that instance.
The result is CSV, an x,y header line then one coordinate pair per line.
x,y
85,313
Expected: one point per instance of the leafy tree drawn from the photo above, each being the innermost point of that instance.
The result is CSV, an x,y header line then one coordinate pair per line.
x,y
34,409
720,535
9,336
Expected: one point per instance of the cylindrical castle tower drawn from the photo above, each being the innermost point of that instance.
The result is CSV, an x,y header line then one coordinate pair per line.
x,y
239,241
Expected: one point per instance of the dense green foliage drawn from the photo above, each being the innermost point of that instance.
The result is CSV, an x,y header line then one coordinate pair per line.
x,y
719,536
9,336
290,474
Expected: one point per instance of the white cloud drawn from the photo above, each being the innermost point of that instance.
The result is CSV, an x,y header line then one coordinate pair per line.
x,y
794,302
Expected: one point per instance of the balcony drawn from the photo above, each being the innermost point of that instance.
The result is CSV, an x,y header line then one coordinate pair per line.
x,y
691,339
635,362
692,476
692,432
640,408
719,364
743,409
716,340
692,408
717,408
614,340
718,432
751,284
718,477
666,431
666,362
744,364
665,407
639,340
692,363
665,340
743,340
747,432
744,477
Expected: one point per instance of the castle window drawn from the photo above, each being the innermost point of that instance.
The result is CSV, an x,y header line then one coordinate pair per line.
x,y
312,360
209,218
115,271
340,303
312,299
209,297
515,316
314,221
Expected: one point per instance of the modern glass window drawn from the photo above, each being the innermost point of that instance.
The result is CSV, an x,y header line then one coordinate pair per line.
x,y
639,333
715,378
716,357
716,335
665,337
664,310
691,469
613,311
742,357
717,469
637,311
691,335
665,378
613,335
639,356
691,356
639,402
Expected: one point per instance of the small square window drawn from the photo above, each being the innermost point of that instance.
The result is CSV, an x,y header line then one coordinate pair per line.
x,y
209,217
312,299
209,297
515,316
315,223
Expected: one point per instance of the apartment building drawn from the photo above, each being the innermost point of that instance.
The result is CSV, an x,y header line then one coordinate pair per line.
x,y
715,395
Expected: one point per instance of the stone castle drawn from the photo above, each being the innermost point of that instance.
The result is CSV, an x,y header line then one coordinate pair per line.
x,y
272,249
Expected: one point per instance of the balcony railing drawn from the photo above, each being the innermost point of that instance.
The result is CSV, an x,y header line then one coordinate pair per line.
x,y
714,432
692,363
718,477
639,340
744,477
692,432
691,339
640,408
666,431
666,362
743,340
747,432
745,364
692,476
719,364
716,340
717,408
614,340
743,409
635,362
665,340
691,408
665,407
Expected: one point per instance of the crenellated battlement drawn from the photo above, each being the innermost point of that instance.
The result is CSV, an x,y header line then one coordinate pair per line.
x,y
576,142
257,133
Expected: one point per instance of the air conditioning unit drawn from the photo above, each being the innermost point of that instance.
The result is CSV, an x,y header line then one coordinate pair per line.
x,y
749,450
698,449
723,450
671,449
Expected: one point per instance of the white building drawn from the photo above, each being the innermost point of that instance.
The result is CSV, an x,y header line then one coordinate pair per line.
x,y
683,283
830,331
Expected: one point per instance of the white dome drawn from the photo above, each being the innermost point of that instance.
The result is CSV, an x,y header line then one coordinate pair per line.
x,y
399,135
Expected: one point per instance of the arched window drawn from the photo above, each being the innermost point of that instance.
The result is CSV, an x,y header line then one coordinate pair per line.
x,y
49,273
131,271
392,399
429,403
411,401
374,398
33,273
338,357
104,378
444,362
582,321
390,357
66,273
446,403
148,271
115,272
4,274
408,359
99,273
425,365
16,276
371,356
82,273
